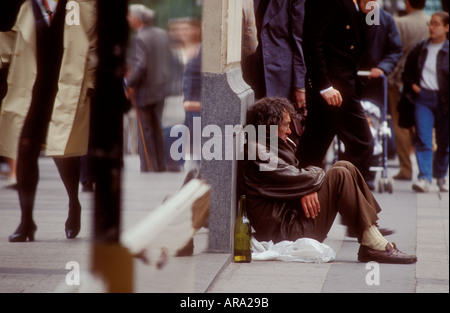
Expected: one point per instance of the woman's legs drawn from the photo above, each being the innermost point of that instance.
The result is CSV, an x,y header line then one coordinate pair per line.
x,y
69,170
49,51
425,104
27,179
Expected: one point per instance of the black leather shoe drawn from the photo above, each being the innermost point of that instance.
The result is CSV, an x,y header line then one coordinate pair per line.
x,y
390,255
23,233
72,229
72,233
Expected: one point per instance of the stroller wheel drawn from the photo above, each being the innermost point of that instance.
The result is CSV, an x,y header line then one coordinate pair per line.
x,y
385,184
389,185
381,185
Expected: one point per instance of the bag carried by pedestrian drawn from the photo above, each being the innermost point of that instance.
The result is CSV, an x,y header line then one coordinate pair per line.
x,y
405,110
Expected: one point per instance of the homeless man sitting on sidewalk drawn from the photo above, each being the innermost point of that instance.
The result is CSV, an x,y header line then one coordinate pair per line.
x,y
285,202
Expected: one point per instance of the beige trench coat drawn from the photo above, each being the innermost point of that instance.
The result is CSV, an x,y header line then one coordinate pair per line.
x,y
68,131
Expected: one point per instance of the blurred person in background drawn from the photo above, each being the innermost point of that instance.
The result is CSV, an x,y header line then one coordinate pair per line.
x,y
192,86
148,78
190,36
384,50
384,46
425,81
185,38
412,28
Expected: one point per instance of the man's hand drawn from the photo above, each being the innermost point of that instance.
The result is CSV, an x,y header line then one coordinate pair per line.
x,y
311,205
129,93
416,88
376,72
333,97
300,98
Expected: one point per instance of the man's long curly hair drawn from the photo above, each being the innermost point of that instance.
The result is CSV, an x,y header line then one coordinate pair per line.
x,y
269,111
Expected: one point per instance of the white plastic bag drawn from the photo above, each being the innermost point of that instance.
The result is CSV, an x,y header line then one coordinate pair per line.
x,y
302,250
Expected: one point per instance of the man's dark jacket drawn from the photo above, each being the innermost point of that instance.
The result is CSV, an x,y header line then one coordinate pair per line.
x,y
150,65
384,46
333,42
278,63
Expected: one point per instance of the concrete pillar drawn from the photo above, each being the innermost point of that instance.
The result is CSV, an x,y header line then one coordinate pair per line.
x,y
225,98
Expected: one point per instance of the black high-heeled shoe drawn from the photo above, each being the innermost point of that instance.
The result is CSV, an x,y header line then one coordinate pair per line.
x,y
72,233
24,233
73,223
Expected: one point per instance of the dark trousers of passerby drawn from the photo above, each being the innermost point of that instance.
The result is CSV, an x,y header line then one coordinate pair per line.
x,y
348,122
402,137
151,144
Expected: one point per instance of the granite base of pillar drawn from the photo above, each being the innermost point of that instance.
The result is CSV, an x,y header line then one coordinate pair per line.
x,y
225,99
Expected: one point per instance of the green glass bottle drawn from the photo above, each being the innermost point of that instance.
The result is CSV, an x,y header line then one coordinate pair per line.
x,y
242,235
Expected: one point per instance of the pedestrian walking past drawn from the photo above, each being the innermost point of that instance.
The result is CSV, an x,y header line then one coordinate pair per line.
x,y
334,42
51,81
412,28
425,80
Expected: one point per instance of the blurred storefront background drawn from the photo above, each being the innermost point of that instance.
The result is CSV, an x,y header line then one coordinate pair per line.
x,y
170,9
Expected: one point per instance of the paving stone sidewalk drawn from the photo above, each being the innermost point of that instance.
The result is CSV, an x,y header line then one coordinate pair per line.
x,y
420,221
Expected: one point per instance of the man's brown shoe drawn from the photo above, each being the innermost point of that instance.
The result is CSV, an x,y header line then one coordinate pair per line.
x,y
391,255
